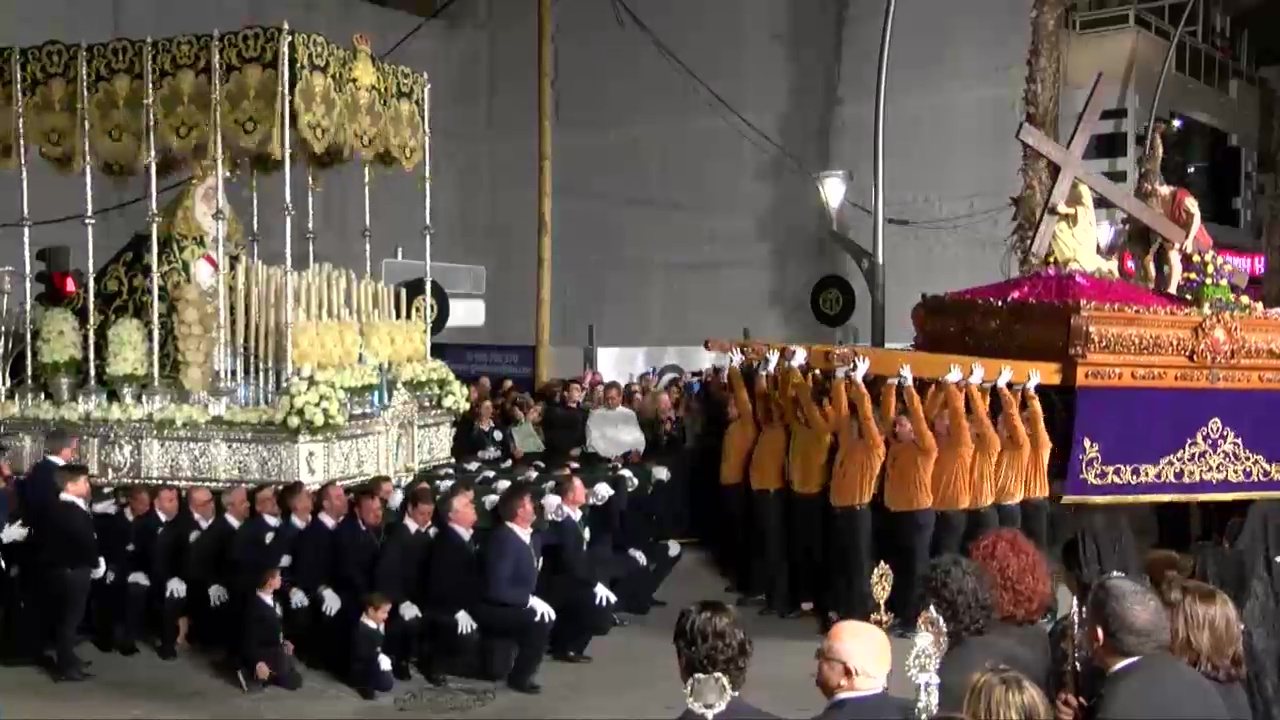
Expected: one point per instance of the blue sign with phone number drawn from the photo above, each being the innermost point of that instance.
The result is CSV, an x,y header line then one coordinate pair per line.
x,y
469,362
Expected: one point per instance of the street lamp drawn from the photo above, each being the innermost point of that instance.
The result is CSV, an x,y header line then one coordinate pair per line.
x,y
833,184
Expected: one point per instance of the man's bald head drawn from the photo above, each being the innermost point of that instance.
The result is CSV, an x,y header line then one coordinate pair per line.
x,y
854,656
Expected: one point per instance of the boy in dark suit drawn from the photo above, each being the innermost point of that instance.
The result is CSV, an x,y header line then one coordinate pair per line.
x,y
70,557
266,657
370,667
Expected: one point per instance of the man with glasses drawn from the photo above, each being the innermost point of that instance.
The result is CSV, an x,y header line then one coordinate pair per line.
x,y
853,673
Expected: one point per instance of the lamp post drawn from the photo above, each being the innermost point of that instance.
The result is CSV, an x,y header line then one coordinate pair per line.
x,y
832,186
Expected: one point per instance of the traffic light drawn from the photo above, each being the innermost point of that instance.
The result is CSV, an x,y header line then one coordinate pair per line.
x,y
60,281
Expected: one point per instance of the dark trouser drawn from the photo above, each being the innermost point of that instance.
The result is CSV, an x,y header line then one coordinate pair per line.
x,y
404,639
504,628
108,612
377,680
578,619
171,609
735,555
36,619
1010,515
284,671
69,590
948,533
979,522
850,571
447,652
1035,521
806,547
769,551
636,588
913,530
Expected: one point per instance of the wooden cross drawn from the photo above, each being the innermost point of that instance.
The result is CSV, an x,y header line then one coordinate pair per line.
x,y
1070,162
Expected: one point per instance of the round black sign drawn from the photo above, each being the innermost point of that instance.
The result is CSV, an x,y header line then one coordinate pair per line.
x,y
439,308
832,300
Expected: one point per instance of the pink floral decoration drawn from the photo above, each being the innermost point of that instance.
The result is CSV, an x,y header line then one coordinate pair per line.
x,y
1068,288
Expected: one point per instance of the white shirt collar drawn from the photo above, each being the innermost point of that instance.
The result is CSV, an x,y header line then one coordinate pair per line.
x,y
202,521
68,497
575,513
851,694
55,460
328,521
525,534
235,524
266,598
128,513
272,520
1124,663
464,533
364,620
298,522
163,518
413,526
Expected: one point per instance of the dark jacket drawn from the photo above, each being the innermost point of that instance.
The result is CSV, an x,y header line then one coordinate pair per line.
x,y
74,545
401,564
355,557
263,633
880,706
737,709
313,557
454,579
510,567
1158,686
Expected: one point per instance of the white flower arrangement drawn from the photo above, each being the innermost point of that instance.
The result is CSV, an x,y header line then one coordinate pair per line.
x,y
8,409
45,410
236,415
60,346
127,350
328,344
311,404
352,377
118,412
394,341
181,415
195,320
436,381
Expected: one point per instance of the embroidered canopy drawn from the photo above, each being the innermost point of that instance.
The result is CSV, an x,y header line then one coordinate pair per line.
x,y
346,103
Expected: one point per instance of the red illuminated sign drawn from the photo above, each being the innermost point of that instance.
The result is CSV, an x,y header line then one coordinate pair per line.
x,y
1253,264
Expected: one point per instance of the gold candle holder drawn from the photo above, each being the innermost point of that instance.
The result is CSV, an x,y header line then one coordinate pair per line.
x,y
881,586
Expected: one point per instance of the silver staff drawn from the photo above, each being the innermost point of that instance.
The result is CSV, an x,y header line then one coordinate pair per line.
x,y
257,368
311,217
24,220
287,154
89,219
367,234
153,215
254,236
223,377
426,205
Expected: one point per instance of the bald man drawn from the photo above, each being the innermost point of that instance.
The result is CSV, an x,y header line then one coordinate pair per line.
x,y
853,674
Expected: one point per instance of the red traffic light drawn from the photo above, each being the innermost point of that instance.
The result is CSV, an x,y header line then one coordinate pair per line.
x,y
65,282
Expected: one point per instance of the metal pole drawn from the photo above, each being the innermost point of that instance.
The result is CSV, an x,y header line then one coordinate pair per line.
x,y
426,207
542,312
877,186
286,151
1164,72
222,371
311,217
89,219
367,233
153,214
19,110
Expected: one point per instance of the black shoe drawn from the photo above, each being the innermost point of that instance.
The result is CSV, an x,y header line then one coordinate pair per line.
x,y
367,694
571,657
436,679
72,676
104,646
527,687
749,600
657,603
731,588
128,649
166,652
767,611
401,671
619,621
790,614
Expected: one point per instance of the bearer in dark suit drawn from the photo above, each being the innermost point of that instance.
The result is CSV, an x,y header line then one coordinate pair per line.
x,y
510,613
312,623
1128,630
160,547
853,674
356,547
189,527
571,580
261,542
71,560
453,590
120,600
211,567
267,658
35,495
398,577
644,539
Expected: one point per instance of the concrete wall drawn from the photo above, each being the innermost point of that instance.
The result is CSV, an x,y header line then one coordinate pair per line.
x,y
669,225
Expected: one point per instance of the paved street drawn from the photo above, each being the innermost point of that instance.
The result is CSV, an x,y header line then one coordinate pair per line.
x,y
634,676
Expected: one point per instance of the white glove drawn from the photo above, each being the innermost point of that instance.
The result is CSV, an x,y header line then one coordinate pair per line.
x,y
109,578
954,375
501,486
444,485
105,507
632,482
14,532
976,373
100,570
286,560
466,624
298,599
1033,379
842,371
384,663
485,475
395,501
505,463
490,502
660,473
638,557
217,595
798,356
538,464
331,603
573,465
600,493
771,361
904,374
1006,374
735,358
673,548
550,502
446,470
175,588
529,475
471,466
542,612
860,367
139,578
409,611
604,596
431,531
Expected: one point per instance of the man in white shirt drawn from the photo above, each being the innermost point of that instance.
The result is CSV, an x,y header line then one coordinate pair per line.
x,y
613,432
853,673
